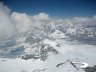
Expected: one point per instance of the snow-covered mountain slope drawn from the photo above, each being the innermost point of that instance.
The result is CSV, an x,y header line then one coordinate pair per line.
x,y
57,34
43,48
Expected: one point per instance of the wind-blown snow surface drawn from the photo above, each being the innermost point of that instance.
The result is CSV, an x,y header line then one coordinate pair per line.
x,y
39,42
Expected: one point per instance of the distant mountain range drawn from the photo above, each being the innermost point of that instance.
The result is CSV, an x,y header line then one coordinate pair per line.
x,y
31,44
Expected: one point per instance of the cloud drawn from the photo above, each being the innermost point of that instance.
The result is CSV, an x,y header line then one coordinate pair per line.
x,y
6,25
14,22
39,19
25,22
84,21
22,21
41,16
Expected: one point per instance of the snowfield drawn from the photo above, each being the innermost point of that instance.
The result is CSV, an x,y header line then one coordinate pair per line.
x,y
66,51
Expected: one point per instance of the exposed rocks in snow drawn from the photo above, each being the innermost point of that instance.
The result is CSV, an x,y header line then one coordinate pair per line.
x,y
57,34
42,54
74,64
52,39
90,69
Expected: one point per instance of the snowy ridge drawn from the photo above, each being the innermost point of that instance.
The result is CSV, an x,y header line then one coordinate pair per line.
x,y
41,49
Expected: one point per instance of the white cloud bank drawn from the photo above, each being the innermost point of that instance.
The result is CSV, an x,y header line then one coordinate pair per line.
x,y
22,21
11,23
6,25
25,23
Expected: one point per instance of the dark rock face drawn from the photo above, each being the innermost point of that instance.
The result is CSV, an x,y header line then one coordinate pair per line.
x,y
90,69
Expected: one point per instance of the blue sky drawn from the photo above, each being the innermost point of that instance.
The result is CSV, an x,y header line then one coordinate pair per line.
x,y
55,8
